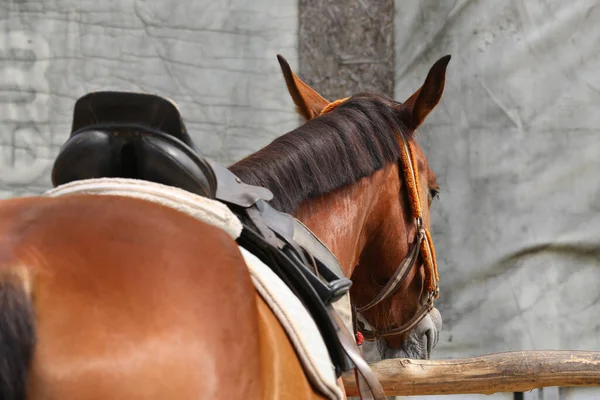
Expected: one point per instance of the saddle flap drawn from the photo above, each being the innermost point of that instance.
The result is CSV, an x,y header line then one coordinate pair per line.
x,y
144,109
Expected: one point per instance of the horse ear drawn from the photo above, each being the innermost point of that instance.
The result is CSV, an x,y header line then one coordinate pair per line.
x,y
308,102
420,104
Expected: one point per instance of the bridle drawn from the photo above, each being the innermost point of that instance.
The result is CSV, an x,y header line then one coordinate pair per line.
x,y
422,245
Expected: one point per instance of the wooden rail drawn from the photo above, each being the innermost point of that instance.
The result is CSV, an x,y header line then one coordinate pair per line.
x,y
516,371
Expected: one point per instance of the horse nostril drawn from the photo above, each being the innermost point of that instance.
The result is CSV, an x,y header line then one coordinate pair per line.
x,y
431,338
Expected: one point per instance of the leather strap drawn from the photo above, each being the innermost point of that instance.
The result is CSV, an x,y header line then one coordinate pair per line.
x,y
367,382
364,391
394,282
231,189
285,226
305,238
419,315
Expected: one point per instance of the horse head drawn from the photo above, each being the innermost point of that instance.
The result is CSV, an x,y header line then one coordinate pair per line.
x,y
354,174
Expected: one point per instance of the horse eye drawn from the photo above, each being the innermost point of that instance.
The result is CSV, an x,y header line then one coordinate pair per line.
x,y
433,193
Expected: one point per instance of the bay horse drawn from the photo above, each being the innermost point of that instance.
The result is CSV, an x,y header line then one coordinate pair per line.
x,y
113,297
344,173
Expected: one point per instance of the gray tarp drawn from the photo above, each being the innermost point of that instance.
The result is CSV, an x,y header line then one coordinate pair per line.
x,y
515,143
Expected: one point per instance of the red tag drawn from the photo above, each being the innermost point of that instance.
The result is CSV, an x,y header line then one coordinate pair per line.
x,y
360,339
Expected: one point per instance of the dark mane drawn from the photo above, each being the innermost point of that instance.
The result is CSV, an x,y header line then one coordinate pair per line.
x,y
334,150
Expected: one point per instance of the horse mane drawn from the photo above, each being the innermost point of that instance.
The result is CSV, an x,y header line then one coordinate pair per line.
x,y
339,148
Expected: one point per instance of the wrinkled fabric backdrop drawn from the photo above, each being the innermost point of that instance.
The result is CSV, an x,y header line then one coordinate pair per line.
x,y
515,141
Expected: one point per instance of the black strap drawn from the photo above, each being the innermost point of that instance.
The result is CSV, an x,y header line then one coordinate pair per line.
x,y
402,271
366,381
295,275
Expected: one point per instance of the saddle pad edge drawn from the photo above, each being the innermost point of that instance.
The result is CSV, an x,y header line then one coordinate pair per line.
x,y
298,324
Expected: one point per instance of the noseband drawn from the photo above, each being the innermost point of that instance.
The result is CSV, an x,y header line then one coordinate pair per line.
x,y
421,246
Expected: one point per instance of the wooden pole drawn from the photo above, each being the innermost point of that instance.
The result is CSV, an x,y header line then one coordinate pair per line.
x,y
516,371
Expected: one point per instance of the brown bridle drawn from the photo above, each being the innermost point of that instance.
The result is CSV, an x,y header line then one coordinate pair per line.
x,y
422,245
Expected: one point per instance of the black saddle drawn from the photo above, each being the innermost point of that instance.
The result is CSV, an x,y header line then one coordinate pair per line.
x,y
142,136
132,135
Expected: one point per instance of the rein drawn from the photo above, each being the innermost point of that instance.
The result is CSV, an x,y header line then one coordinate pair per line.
x,y
421,246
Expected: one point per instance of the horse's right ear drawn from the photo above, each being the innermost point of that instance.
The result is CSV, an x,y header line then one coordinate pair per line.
x,y
419,105
308,102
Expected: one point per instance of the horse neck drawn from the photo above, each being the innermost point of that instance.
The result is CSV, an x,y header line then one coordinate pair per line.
x,y
340,219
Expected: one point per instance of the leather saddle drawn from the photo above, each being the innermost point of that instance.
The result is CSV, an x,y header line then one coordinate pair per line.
x,y
142,136
132,135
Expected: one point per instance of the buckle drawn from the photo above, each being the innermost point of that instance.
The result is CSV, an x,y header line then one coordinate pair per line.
x,y
419,223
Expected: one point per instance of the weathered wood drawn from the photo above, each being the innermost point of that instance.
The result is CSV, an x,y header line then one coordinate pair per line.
x,y
516,371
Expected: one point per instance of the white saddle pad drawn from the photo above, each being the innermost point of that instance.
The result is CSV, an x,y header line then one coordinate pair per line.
x,y
295,319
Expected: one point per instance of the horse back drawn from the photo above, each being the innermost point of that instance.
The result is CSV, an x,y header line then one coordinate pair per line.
x,y
132,300
279,361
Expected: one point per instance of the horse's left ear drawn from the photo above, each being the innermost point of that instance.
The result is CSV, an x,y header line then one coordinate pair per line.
x,y
420,104
308,102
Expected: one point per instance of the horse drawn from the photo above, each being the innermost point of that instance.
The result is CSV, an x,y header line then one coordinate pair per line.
x,y
117,297
347,174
